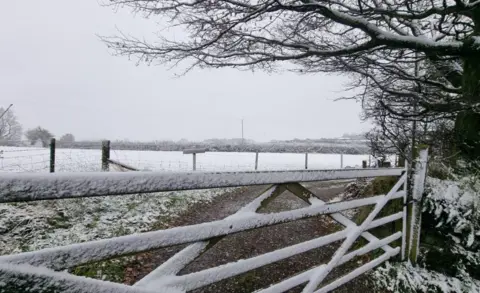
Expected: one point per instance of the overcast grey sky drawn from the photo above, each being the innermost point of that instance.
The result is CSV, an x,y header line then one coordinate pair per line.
x,y
60,76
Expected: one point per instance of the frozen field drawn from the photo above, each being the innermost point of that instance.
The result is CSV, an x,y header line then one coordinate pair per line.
x,y
22,159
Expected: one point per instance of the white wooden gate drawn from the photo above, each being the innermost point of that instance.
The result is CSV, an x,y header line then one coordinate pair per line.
x,y
43,270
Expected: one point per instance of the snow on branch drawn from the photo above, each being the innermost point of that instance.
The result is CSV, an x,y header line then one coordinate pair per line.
x,y
257,33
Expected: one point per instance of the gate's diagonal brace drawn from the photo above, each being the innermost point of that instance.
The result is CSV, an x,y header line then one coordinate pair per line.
x,y
320,274
187,255
308,196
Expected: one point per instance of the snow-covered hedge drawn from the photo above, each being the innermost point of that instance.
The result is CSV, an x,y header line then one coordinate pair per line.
x,y
403,277
454,207
450,242
451,226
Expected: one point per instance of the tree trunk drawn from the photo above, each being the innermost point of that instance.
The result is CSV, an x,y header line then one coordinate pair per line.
x,y
467,124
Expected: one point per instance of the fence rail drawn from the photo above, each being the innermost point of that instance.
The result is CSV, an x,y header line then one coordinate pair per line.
x,y
202,237
30,187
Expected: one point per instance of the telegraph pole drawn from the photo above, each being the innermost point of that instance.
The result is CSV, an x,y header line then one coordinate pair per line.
x,y
243,141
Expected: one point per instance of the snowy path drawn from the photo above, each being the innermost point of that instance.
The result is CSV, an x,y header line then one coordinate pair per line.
x,y
251,243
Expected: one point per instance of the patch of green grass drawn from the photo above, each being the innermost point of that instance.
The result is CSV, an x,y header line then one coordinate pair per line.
x,y
131,206
175,200
120,231
25,247
379,185
94,222
110,270
60,221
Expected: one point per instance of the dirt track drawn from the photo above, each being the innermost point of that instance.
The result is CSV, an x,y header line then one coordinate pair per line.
x,y
251,243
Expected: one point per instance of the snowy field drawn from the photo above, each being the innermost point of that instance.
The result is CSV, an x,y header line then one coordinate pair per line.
x,y
21,159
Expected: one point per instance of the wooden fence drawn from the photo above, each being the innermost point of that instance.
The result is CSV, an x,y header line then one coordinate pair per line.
x,y
43,270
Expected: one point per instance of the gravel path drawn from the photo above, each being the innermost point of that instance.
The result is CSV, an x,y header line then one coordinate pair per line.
x,y
251,243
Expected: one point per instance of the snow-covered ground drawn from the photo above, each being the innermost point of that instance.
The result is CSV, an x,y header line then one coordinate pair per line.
x,y
22,159
36,225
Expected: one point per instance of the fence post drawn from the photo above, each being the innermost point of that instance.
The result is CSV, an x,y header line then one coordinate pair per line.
x,y
256,161
306,161
341,161
52,155
194,161
414,210
105,155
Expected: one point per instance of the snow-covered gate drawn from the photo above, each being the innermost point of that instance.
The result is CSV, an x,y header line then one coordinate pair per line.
x,y
44,270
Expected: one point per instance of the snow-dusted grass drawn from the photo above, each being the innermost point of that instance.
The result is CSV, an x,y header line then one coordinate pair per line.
x,y
32,226
22,159
403,278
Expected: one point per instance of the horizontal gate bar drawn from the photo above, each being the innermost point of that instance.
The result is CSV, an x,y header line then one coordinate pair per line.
x,y
385,220
304,277
319,275
29,187
181,259
202,278
75,254
215,274
359,271
26,278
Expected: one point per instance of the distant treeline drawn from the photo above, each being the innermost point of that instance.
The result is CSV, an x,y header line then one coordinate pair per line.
x,y
326,147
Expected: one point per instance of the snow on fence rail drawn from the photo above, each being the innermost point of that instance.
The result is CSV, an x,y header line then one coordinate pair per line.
x,y
37,269
28,187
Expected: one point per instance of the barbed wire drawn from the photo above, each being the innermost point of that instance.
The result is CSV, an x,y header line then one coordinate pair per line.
x,y
26,156
23,150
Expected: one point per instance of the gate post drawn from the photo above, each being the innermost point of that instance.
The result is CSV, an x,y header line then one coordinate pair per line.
x,y
414,209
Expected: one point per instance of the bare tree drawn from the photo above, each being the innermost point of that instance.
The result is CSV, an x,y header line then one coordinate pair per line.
x,y
10,128
67,138
392,47
39,134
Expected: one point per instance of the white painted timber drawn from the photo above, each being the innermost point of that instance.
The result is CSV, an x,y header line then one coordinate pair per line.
x,y
72,255
359,271
181,259
29,187
26,278
304,277
319,275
